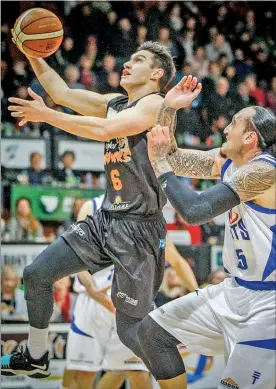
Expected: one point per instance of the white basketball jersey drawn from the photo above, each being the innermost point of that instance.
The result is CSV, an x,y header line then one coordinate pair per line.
x,y
102,278
249,251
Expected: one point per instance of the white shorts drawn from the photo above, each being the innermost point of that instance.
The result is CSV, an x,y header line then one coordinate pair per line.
x,y
231,320
93,343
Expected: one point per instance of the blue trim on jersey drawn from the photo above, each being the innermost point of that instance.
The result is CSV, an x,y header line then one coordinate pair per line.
x,y
226,271
269,160
76,329
271,262
256,285
94,207
269,344
259,208
224,167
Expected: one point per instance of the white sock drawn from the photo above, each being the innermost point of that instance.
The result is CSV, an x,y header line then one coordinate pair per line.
x,y
37,342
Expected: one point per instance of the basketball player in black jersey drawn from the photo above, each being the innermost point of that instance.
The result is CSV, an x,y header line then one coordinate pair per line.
x,y
129,231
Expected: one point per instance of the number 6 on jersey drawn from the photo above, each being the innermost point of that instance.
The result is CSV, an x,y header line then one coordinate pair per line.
x,y
116,182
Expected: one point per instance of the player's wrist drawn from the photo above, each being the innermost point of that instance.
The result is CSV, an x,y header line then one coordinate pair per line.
x,y
170,106
161,166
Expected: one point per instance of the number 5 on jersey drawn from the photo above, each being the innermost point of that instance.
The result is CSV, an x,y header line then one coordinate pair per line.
x,y
115,178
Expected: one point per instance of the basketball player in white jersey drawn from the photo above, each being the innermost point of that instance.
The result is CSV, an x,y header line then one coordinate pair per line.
x,y
237,317
93,344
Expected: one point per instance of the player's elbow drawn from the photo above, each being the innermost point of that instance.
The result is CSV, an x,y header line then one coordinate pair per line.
x,y
198,214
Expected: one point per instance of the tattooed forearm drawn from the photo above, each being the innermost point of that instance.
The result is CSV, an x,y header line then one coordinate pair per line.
x,y
193,163
167,118
252,179
161,166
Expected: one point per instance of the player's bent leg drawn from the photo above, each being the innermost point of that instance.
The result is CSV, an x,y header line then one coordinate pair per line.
x,y
127,328
55,262
139,379
160,348
111,380
77,379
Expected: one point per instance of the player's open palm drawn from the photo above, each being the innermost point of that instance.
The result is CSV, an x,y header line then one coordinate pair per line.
x,y
102,297
183,94
28,110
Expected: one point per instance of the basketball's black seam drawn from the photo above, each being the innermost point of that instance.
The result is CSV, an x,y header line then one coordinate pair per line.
x,y
38,51
44,17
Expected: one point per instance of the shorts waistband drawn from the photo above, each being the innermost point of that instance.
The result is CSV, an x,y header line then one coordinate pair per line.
x,y
139,218
256,285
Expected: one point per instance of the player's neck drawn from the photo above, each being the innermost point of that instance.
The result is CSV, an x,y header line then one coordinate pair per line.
x,y
139,92
244,158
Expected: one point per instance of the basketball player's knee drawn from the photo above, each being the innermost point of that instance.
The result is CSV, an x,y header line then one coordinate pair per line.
x,y
160,349
31,275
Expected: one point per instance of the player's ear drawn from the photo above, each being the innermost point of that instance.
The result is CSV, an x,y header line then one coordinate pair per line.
x,y
157,74
250,137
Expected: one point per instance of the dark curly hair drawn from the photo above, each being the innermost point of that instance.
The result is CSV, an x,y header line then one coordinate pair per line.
x,y
162,59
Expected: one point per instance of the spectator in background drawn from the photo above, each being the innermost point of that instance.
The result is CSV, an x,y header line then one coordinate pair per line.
x,y
63,301
189,128
87,76
164,38
113,83
199,64
157,17
222,62
122,44
220,103
231,74
243,98
77,204
91,49
176,22
20,76
243,66
72,76
271,96
171,288
23,226
215,139
142,32
218,47
36,175
13,304
209,82
254,91
66,174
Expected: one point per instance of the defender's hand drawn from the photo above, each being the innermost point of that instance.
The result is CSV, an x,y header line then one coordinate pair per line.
x,y
33,111
183,94
158,143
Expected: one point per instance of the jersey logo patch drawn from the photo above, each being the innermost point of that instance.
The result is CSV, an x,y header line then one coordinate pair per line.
x,y
233,216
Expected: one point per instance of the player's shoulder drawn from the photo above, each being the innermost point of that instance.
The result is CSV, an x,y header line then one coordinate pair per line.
x,y
151,101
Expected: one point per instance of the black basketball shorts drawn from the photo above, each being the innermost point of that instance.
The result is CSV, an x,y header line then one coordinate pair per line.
x,y
136,247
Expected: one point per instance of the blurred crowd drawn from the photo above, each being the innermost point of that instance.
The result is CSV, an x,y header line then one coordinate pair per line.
x,y
229,46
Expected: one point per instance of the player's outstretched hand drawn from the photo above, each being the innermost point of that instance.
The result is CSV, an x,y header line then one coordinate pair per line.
x,y
28,110
102,297
183,94
158,143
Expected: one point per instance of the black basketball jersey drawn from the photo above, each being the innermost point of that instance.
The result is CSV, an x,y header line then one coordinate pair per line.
x,y
132,187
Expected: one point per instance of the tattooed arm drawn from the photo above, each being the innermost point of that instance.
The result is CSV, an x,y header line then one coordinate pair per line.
x,y
196,163
180,96
252,180
167,118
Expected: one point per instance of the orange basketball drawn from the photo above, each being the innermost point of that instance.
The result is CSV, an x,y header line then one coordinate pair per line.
x,y
38,32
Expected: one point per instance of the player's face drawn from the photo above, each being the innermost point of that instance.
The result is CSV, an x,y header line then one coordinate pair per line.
x,y
138,70
236,135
